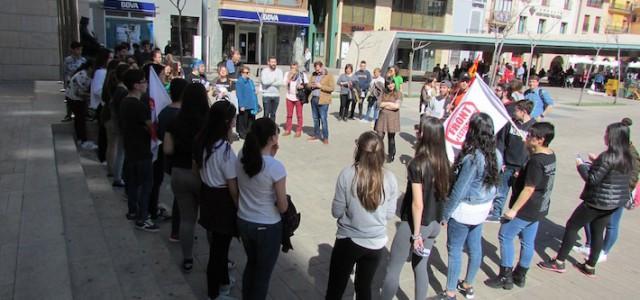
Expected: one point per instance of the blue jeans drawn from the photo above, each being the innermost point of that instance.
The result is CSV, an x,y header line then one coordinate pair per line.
x,y
139,179
459,235
372,111
610,234
270,106
527,232
262,245
503,191
319,113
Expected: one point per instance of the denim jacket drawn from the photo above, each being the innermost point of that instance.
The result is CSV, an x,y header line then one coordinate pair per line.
x,y
469,185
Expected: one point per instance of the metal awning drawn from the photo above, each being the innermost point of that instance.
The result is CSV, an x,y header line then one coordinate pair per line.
x,y
559,44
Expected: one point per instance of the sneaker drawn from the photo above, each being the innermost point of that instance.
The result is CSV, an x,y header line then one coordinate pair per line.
x,y
286,133
584,250
492,219
468,293
130,216
67,119
118,183
312,138
552,265
586,270
147,225
187,265
226,289
224,297
174,238
444,296
602,257
364,121
325,141
88,145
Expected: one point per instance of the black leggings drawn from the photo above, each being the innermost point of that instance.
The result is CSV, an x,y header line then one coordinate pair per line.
x,y
584,215
344,106
353,109
345,254
391,140
217,270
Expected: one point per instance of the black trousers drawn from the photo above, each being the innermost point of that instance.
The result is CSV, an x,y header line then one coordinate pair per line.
x,y
217,270
79,109
175,218
102,135
345,254
391,141
584,215
344,106
243,123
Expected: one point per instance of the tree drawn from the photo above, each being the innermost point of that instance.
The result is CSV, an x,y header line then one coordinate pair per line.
x,y
179,5
534,39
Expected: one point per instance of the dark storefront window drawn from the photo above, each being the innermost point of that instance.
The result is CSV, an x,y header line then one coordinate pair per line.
x,y
419,14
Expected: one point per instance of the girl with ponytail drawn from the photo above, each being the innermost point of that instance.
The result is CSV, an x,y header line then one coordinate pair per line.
x,y
365,198
263,197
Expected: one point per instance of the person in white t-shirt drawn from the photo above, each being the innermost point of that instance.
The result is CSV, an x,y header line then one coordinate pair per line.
x,y
477,169
263,197
294,80
216,163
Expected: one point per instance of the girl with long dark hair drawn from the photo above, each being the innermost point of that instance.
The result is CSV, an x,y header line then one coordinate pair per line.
x,y
474,188
179,145
421,212
263,197
365,198
216,163
389,117
78,94
606,189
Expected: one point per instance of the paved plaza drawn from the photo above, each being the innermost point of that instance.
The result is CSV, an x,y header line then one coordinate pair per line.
x,y
64,235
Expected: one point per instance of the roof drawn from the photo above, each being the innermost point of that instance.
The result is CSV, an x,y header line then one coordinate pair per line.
x,y
557,43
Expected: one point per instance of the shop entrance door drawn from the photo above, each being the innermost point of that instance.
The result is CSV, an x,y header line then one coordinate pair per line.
x,y
248,45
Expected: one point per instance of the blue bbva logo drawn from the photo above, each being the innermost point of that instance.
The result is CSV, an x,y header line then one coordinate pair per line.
x,y
129,5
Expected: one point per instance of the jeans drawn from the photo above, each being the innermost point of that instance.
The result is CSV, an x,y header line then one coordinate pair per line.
x,y
344,105
138,187
503,191
372,110
217,270
115,150
270,104
243,122
291,105
583,215
611,233
158,177
186,188
527,232
262,246
319,113
402,247
79,109
459,235
345,254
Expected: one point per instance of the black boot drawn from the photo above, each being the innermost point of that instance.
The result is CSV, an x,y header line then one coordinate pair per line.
x,y
504,280
520,276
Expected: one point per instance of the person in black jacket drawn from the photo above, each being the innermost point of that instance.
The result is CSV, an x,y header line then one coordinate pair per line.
x,y
606,189
514,152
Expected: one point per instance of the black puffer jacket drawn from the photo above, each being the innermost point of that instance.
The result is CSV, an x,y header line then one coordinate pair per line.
x,y
605,187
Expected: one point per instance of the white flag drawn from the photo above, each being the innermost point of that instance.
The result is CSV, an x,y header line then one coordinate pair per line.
x,y
159,99
479,98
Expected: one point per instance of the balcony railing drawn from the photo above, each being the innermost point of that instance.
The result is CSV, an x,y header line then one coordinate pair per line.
x,y
617,29
618,6
501,17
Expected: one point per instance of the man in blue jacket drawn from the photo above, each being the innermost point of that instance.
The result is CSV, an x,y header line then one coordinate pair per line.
x,y
542,101
364,80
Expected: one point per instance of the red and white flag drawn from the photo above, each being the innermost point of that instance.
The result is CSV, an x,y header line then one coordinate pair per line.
x,y
158,100
479,98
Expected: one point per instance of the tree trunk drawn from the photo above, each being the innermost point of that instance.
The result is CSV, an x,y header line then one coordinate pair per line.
x,y
588,76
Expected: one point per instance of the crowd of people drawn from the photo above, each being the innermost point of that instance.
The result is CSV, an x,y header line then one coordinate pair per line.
x,y
244,194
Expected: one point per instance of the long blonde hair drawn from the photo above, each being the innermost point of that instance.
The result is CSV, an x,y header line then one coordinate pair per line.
x,y
369,179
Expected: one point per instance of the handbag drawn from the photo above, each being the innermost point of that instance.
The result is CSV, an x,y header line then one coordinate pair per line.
x,y
634,199
302,94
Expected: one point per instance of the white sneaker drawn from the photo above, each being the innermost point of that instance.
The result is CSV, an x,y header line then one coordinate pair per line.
x,y
602,257
88,145
226,289
584,250
225,297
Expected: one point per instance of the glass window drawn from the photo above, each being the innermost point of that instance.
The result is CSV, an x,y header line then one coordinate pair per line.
x,y
567,4
541,25
522,24
594,3
585,23
563,27
596,25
